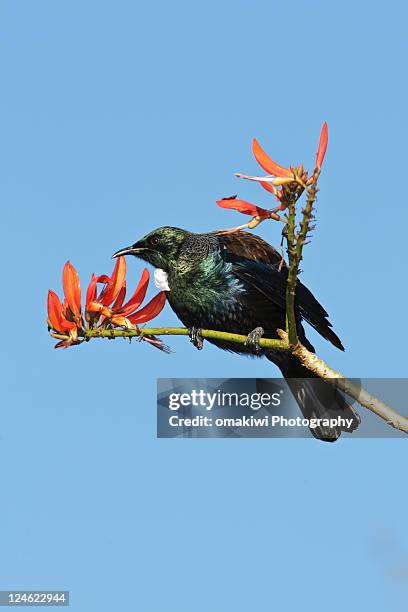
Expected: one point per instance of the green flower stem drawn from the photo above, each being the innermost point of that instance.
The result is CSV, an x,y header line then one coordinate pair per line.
x,y
292,275
295,243
307,216
178,331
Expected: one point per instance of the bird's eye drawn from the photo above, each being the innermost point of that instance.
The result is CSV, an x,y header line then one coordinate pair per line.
x,y
154,240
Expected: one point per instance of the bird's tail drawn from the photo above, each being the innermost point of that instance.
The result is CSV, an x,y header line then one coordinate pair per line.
x,y
317,398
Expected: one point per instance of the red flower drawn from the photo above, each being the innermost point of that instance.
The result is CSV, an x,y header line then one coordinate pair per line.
x,y
103,310
278,175
66,318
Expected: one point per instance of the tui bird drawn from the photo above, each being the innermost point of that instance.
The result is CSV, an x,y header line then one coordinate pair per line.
x,y
236,282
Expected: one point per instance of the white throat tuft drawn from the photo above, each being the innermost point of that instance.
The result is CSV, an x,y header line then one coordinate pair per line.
x,y
160,280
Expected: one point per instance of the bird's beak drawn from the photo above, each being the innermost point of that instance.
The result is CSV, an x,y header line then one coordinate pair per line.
x,y
130,250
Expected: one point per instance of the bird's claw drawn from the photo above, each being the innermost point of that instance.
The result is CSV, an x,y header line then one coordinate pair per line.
x,y
196,337
252,340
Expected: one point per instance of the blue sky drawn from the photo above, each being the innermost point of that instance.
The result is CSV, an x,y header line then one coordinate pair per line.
x,y
117,117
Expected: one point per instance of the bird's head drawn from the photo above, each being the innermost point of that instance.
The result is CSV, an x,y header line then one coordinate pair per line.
x,y
159,248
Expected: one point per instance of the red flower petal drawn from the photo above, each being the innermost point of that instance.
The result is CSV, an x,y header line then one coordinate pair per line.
x,y
115,283
103,278
243,207
56,317
276,192
321,151
270,188
120,299
72,289
54,311
267,163
151,310
91,291
138,296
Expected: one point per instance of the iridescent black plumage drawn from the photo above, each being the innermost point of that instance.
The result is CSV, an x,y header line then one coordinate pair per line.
x,y
236,282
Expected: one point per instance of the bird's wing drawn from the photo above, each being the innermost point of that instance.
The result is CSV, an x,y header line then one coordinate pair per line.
x,y
257,263
250,246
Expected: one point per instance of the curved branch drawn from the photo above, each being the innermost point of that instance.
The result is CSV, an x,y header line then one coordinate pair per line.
x,y
316,365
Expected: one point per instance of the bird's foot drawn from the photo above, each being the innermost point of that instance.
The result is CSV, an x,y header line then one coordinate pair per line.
x,y
252,341
196,337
